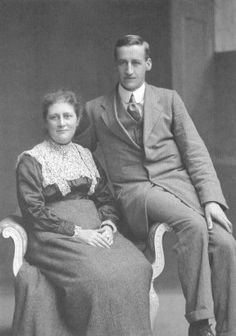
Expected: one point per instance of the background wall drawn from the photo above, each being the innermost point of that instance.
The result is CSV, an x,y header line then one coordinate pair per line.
x,y
225,25
225,125
225,99
192,58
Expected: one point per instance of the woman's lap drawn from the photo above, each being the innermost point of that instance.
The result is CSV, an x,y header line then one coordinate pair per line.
x,y
116,280
65,254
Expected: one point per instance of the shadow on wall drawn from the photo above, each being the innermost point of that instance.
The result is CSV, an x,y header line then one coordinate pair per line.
x,y
225,127
5,333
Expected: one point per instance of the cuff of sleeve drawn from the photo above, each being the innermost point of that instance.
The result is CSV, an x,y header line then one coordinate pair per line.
x,y
66,228
212,193
108,222
77,231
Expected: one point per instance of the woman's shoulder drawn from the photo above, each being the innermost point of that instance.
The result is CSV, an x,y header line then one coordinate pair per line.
x,y
27,157
28,167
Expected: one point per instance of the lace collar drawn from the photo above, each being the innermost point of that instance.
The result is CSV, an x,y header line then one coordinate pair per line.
x,y
63,163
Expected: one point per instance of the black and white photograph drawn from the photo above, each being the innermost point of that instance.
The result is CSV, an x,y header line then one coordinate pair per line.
x,y
118,161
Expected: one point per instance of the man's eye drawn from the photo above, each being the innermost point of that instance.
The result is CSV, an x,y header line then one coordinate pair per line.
x,y
121,62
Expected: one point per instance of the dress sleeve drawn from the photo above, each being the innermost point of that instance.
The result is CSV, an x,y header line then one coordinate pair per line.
x,y
104,199
31,199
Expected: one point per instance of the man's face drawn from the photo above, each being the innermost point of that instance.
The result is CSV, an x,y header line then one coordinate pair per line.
x,y
132,66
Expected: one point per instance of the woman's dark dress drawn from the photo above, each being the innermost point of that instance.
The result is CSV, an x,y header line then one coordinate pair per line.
x,y
102,292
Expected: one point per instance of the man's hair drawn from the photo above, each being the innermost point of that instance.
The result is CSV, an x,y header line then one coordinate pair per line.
x,y
64,96
130,40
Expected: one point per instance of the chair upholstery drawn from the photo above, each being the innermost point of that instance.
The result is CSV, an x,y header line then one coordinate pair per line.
x,y
11,227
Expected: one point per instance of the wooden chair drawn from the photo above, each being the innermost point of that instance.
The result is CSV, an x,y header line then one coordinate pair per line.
x,y
11,227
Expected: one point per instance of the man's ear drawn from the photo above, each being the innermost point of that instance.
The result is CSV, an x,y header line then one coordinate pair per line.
x,y
148,64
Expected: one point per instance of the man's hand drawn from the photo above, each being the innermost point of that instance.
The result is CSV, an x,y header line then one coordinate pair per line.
x,y
213,211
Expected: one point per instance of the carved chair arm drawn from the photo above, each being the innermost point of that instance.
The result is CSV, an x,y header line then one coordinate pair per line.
x,y
10,227
156,247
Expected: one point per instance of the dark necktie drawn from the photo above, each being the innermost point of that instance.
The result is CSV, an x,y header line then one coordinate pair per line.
x,y
134,109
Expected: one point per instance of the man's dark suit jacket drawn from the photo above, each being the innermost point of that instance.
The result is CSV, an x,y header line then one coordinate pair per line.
x,y
173,155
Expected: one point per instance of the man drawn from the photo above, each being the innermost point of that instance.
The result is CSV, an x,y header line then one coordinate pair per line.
x,y
161,172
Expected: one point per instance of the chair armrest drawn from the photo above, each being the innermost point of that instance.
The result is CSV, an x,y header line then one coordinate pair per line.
x,y
156,245
11,227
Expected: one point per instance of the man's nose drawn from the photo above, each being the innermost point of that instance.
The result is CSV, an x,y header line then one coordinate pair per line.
x,y
129,69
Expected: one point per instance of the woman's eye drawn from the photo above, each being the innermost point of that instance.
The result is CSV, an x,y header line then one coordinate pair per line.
x,y
53,117
67,116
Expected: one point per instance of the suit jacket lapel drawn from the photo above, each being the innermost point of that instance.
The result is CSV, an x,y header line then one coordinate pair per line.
x,y
110,118
152,112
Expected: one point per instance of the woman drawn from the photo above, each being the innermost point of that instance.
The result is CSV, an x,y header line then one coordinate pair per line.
x,y
101,278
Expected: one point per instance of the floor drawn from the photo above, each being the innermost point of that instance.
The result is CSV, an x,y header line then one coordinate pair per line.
x,y
170,320
6,309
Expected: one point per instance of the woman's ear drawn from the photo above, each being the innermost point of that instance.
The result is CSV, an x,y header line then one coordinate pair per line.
x,y
45,125
44,129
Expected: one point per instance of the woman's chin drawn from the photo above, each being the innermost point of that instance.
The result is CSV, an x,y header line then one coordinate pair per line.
x,y
61,141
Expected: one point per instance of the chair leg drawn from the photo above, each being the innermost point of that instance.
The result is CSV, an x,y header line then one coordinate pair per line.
x,y
156,244
154,304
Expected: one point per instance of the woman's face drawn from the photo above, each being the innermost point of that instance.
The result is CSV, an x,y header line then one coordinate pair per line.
x,y
61,122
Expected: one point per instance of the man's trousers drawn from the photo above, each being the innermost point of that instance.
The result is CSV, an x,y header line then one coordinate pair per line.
x,y
206,261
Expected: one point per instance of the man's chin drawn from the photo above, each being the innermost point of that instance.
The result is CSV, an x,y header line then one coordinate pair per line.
x,y
130,86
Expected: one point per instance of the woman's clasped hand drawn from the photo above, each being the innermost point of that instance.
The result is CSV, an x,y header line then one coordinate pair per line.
x,y
102,237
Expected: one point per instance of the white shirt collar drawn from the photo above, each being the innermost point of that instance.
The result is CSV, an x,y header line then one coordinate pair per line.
x,y
138,94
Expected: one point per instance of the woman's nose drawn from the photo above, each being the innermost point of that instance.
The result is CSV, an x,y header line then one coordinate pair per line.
x,y
61,121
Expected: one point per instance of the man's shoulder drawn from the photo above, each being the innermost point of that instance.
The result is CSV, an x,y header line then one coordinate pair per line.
x,y
95,100
160,90
99,100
